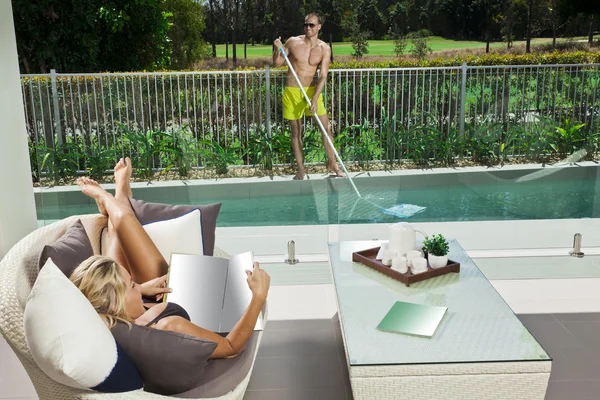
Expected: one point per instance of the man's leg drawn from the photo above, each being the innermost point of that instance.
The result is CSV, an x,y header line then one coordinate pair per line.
x,y
296,126
331,162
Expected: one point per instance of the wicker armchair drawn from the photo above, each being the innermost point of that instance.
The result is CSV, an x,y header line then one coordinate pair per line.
x,y
18,271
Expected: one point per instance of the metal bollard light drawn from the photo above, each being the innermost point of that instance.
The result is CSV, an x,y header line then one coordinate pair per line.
x,y
576,252
291,253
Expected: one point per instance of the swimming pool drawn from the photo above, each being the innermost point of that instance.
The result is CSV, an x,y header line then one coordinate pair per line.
x,y
451,196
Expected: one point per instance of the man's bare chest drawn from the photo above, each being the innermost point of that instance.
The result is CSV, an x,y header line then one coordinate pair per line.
x,y
308,56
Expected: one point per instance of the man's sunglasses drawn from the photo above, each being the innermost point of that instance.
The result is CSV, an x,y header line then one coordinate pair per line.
x,y
306,25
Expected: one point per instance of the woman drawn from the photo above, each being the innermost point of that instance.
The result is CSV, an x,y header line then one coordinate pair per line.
x,y
109,282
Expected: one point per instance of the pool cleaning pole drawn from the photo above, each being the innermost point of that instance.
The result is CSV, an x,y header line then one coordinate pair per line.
x,y
323,130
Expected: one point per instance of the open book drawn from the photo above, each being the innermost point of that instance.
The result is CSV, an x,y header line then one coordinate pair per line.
x,y
214,291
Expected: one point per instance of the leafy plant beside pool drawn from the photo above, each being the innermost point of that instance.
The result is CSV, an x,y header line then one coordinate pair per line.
x,y
179,154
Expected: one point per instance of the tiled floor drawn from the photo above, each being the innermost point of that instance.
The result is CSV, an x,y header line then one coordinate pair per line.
x,y
305,359
572,342
302,356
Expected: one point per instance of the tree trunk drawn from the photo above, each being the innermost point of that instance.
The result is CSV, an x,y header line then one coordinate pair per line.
x,y
248,14
211,22
233,47
331,45
236,28
26,65
553,35
529,19
591,35
487,27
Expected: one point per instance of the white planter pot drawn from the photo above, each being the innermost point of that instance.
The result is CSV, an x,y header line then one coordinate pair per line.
x,y
438,261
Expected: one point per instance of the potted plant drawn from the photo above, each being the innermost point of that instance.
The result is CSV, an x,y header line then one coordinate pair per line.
x,y
436,247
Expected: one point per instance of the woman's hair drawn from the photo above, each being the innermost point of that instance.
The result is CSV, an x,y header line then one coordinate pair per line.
x,y
99,280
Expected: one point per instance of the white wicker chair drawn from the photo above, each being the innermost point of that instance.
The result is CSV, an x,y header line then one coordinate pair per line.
x,y
18,271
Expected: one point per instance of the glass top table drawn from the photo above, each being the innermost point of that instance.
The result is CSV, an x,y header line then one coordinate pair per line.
x,y
478,326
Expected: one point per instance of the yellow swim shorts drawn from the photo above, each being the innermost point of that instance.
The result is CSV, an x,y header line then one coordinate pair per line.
x,y
294,104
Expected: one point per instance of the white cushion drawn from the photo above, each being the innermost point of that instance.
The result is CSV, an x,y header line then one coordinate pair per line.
x,y
69,340
177,235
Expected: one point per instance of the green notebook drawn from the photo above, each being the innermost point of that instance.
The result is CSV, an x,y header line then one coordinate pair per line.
x,y
412,319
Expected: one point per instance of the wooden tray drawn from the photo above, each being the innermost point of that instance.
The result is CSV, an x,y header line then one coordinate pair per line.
x,y
367,257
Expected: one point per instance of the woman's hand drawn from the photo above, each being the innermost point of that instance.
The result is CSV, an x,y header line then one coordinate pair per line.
x,y
155,288
259,282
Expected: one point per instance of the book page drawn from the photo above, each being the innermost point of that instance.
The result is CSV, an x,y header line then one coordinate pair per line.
x,y
237,292
198,284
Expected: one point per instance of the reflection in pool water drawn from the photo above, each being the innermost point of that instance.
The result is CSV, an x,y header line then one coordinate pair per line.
x,y
500,200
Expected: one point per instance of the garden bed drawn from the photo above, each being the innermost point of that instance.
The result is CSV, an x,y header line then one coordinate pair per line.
x,y
290,170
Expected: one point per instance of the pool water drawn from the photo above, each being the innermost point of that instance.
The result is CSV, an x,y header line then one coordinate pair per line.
x,y
501,200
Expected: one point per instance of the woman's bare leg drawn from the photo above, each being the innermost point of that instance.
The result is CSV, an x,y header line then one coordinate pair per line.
x,y
145,261
123,194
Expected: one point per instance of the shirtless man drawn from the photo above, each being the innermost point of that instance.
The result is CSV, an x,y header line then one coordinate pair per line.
x,y
306,53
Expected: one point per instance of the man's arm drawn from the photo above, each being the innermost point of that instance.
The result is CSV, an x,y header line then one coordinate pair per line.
x,y
322,76
278,59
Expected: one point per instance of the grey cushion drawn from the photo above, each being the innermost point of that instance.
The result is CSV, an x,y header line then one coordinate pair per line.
x,y
169,362
223,375
70,250
152,212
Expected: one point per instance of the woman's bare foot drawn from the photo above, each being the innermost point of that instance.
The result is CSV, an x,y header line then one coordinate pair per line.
x,y
92,189
123,172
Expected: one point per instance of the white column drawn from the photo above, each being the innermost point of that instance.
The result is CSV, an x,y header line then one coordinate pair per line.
x,y
17,205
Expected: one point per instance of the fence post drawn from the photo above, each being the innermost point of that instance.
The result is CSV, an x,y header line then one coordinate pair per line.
x,y
268,102
56,107
463,91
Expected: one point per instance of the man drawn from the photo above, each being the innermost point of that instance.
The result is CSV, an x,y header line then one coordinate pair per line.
x,y
306,53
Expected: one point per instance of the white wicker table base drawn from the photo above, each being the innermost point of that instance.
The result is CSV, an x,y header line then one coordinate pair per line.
x,y
517,386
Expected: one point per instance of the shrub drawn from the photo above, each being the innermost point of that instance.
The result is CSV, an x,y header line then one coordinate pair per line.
x,y
400,44
436,245
420,42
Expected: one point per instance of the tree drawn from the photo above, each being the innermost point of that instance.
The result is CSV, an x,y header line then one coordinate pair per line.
x,y
370,19
188,23
508,22
60,35
492,15
91,35
134,35
397,19
211,22
589,8
420,42
400,43
530,16
227,12
357,35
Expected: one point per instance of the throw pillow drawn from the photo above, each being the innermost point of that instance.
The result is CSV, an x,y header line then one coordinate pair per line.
x,y
70,250
178,235
151,212
69,341
169,362
221,376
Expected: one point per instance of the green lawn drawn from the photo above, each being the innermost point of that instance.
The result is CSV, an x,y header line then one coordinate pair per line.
x,y
376,47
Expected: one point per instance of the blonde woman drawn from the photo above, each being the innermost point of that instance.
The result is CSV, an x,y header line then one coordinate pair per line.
x,y
110,285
